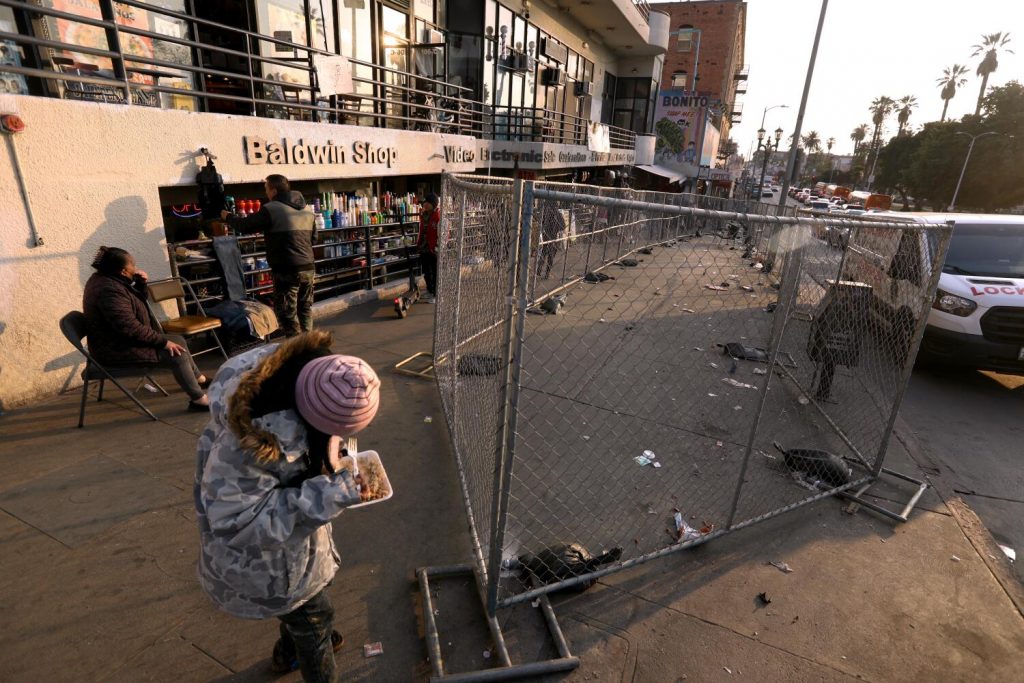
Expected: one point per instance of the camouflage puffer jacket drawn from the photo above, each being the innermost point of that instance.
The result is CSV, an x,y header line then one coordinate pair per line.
x,y
265,547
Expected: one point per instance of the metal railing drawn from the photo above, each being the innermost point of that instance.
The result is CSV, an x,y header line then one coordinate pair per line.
x,y
742,73
250,78
526,124
644,8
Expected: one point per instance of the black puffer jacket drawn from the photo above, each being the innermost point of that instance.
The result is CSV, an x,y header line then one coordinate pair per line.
x,y
287,225
120,327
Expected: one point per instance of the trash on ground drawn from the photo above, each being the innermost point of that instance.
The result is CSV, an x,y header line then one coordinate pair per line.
x,y
427,419
645,250
1009,552
736,383
746,288
770,308
628,262
600,320
727,669
803,400
596,277
719,444
763,599
737,407
712,395
758,266
742,352
150,388
717,288
535,603
734,277
781,566
586,438
821,465
553,304
684,530
760,371
487,654
714,365
565,561
954,558
697,348
689,310
643,460
373,649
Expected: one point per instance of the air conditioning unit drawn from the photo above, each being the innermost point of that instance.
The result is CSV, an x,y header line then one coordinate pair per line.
x,y
583,89
555,77
432,37
521,61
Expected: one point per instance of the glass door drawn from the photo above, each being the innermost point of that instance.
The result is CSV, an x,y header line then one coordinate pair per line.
x,y
395,55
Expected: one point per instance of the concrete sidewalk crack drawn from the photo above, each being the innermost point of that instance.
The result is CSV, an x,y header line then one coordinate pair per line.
x,y
33,526
219,663
860,677
985,495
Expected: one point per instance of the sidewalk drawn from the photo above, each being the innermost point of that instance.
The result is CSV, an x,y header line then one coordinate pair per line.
x,y
98,546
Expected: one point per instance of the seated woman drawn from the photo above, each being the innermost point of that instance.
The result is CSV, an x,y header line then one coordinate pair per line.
x,y
121,330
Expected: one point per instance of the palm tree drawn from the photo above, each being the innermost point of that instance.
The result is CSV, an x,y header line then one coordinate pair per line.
x,y
952,78
880,109
904,107
990,46
812,142
858,135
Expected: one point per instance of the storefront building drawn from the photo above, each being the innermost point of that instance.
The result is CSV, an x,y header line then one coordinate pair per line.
x,y
361,103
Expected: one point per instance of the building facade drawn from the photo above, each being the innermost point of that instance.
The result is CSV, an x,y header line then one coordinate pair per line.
x,y
362,103
706,56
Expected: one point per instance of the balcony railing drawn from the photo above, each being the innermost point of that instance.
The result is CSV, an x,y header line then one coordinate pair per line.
x,y
742,73
644,8
525,124
275,87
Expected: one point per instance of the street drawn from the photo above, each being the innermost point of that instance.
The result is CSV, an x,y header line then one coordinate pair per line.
x,y
969,423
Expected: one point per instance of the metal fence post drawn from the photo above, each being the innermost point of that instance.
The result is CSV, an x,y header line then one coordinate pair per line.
x,y
515,325
793,243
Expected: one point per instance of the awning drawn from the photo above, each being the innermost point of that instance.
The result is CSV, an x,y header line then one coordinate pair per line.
x,y
667,173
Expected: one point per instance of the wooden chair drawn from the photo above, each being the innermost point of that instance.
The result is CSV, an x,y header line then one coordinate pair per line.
x,y
186,325
72,326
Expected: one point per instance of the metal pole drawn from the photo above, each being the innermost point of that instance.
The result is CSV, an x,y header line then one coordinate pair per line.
x,y
516,311
37,240
970,148
791,164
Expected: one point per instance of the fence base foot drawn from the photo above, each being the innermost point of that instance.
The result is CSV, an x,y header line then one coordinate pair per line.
x,y
506,670
856,499
406,367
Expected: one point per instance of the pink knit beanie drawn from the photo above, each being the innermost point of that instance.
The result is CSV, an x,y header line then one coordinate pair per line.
x,y
338,395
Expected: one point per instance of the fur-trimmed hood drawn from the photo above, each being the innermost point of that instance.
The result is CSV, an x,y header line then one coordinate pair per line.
x,y
238,382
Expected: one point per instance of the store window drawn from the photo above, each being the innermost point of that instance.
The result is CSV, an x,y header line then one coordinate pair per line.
x,y
142,74
608,98
11,55
394,55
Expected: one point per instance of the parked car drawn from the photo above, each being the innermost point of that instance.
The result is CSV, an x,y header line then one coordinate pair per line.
x,y
767,193
818,205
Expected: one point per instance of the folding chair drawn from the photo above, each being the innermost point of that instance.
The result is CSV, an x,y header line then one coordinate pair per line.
x,y
73,328
185,325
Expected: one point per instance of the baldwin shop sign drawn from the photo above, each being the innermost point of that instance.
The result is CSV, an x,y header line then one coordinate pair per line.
x,y
259,151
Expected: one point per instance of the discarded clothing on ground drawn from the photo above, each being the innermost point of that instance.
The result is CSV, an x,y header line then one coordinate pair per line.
x,y
245,318
741,352
565,561
817,465
597,277
628,262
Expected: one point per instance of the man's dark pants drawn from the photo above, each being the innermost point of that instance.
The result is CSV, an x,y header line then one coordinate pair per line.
x,y
293,301
428,262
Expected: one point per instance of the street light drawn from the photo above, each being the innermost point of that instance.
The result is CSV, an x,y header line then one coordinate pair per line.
x,y
768,149
760,133
970,148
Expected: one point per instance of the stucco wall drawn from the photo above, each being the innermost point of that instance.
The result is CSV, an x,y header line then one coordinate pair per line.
x,y
93,173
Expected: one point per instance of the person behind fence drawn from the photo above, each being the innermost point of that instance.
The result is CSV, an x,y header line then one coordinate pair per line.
x,y
430,220
289,233
122,330
267,487
552,227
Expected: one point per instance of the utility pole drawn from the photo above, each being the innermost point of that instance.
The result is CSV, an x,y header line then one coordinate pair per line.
x,y
791,164
970,148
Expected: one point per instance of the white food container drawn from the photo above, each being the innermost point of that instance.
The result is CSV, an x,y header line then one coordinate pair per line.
x,y
357,461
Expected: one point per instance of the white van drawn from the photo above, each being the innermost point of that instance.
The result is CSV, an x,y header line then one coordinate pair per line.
x,y
977,315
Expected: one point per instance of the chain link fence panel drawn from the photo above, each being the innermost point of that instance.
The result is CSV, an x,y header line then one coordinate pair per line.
x,y
670,368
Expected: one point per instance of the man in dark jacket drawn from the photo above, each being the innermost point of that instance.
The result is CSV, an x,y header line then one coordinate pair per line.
x,y
289,232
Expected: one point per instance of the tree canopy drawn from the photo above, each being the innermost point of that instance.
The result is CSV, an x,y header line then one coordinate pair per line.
x,y
927,164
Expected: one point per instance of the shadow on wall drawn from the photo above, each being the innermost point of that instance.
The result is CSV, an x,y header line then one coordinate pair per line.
x,y
3,327
124,227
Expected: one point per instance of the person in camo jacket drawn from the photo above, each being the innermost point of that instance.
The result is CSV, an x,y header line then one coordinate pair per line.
x,y
267,487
